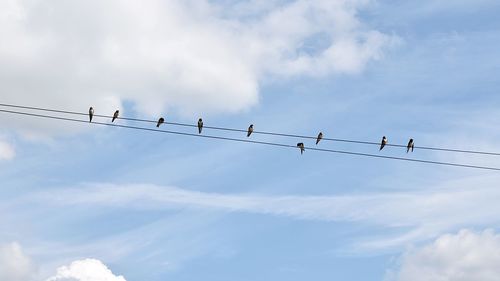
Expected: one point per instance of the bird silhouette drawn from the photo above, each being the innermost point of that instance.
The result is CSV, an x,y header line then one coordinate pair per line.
x,y
250,130
200,125
91,113
160,121
410,145
117,112
320,136
301,146
383,143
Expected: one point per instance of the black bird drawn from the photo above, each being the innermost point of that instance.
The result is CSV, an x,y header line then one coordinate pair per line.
x,y
301,146
91,113
410,145
250,130
160,121
115,115
200,125
320,136
383,143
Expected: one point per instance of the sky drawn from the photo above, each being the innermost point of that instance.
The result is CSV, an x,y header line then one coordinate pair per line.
x,y
82,202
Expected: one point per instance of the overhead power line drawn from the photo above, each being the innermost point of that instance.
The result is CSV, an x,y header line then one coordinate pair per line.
x,y
250,141
255,132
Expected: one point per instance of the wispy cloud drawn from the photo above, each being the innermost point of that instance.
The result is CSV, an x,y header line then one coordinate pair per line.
x,y
7,151
412,216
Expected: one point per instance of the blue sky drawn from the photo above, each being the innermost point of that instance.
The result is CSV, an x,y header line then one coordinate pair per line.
x,y
152,206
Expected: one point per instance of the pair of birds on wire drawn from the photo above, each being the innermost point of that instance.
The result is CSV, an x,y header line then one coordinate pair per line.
x,y
409,146
300,145
200,126
115,115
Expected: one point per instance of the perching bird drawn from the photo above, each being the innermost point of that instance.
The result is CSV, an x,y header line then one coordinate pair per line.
x,y
410,146
301,146
160,121
320,136
250,130
115,115
383,143
91,113
200,125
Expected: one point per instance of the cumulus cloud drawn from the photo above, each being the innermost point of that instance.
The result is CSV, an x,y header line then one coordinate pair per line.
x,y
466,256
15,265
179,56
85,270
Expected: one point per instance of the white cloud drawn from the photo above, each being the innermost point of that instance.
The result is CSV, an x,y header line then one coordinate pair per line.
x,y
189,57
15,265
7,151
466,256
85,270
